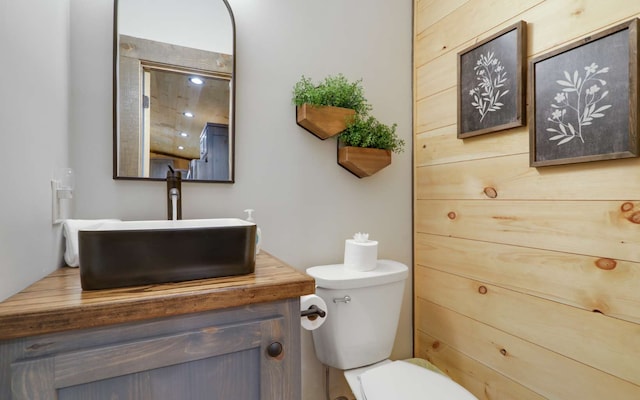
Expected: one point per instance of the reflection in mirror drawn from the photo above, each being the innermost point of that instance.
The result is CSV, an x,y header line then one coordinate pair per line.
x,y
174,68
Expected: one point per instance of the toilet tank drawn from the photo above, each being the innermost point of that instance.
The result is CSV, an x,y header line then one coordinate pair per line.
x,y
363,308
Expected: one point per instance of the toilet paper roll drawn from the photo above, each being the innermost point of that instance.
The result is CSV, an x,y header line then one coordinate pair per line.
x,y
360,256
308,301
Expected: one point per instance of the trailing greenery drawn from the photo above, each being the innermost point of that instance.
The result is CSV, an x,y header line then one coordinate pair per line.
x,y
367,131
334,91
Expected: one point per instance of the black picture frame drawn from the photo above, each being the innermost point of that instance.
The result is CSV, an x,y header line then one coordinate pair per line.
x,y
491,86
584,99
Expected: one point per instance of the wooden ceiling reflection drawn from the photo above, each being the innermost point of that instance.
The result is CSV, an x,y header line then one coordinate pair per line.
x,y
172,94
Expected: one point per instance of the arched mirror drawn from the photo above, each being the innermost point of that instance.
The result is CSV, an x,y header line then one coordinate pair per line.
x,y
174,96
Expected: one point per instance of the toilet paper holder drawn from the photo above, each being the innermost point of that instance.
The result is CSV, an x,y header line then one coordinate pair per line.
x,y
313,312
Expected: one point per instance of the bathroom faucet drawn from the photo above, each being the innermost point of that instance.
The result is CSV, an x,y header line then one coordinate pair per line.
x,y
174,195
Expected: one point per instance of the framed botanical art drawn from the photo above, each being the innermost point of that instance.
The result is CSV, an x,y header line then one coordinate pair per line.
x,y
584,99
491,88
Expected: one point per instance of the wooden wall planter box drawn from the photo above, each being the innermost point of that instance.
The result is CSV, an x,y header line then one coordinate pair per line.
x,y
363,161
323,121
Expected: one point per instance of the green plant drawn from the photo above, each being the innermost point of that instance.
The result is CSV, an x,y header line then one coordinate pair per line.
x,y
367,131
334,91
364,130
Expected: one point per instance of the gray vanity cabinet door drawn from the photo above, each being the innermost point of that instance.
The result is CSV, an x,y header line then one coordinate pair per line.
x,y
219,362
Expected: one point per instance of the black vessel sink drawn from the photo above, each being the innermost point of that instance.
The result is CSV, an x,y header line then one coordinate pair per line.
x,y
131,253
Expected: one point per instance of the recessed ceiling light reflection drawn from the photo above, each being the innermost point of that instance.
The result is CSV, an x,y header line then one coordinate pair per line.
x,y
184,134
180,147
188,114
196,81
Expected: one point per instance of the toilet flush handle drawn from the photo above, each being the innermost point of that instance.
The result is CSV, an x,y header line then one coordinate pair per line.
x,y
345,299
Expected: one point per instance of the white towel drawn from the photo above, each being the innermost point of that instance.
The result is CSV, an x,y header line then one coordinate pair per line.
x,y
70,227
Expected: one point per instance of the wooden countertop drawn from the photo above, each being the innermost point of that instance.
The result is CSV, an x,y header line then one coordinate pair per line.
x,y
58,303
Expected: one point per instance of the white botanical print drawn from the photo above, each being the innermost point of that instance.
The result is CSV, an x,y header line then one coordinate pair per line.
x,y
491,77
575,106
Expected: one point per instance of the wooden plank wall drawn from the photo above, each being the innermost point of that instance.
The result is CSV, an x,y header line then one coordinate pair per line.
x,y
533,294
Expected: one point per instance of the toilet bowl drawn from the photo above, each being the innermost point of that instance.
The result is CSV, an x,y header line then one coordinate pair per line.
x,y
403,380
363,308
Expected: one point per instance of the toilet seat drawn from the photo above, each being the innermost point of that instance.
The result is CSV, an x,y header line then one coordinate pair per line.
x,y
403,380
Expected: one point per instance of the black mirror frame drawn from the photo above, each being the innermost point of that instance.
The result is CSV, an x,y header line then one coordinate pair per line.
x,y
232,116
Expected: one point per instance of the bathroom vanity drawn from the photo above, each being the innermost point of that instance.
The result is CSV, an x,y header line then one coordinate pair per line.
x,y
221,338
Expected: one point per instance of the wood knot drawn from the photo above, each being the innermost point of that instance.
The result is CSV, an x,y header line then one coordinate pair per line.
x,y
424,146
503,352
635,217
627,206
606,263
435,344
482,289
490,192
578,12
452,215
38,346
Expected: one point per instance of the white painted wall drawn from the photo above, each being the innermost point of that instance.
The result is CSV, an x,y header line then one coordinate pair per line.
x,y
305,203
34,43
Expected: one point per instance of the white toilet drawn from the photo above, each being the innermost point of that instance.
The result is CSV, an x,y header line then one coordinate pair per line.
x,y
363,308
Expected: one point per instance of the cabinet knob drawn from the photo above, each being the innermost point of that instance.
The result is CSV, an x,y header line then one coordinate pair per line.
x,y
274,349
